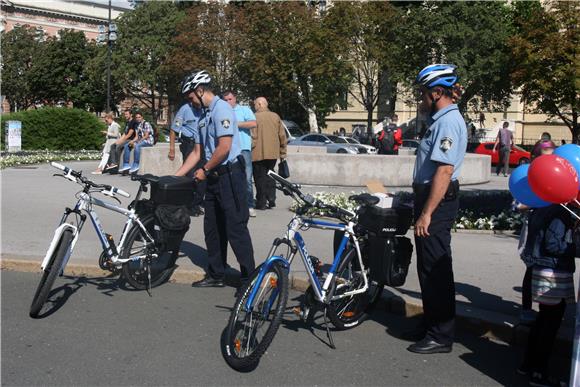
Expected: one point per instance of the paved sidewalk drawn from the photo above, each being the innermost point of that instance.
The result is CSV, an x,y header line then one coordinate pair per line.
x,y
488,272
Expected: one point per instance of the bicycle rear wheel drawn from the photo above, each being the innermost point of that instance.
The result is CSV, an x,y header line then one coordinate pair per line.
x,y
50,273
250,332
137,271
350,311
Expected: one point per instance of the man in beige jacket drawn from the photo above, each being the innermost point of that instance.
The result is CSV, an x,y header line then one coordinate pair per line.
x,y
268,145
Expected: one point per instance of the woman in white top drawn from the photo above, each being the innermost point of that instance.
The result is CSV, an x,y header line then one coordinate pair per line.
x,y
112,134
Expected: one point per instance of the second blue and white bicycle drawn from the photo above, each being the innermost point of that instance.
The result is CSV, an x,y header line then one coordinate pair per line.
x,y
345,292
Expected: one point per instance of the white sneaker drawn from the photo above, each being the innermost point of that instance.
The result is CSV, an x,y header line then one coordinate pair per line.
x,y
134,170
252,213
126,168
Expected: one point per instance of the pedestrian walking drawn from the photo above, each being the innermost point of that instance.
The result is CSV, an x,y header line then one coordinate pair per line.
x,y
550,245
481,120
112,134
505,140
246,122
225,202
435,185
185,128
268,145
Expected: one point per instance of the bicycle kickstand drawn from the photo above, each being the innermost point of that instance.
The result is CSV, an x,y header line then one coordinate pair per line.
x,y
328,333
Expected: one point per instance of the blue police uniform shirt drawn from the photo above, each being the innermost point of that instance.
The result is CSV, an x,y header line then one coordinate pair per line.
x,y
219,120
186,122
444,142
244,113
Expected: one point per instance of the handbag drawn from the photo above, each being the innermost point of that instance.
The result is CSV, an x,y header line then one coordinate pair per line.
x,y
283,169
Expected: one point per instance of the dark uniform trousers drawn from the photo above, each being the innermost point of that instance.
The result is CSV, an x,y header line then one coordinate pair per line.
x,y
434,266
226,219
265,186
186,147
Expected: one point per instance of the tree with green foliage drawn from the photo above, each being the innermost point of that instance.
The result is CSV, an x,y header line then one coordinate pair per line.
x,y
146,38
547,66
368,34
20,50
472,35
291,57
57,75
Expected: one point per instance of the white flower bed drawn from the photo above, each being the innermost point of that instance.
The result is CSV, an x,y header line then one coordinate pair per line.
x,y
44,156
466,219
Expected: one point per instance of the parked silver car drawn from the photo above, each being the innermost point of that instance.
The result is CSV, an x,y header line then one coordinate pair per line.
x,y
332,143
292,130
362,148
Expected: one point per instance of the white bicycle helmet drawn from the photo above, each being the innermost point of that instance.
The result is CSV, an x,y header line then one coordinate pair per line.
x,y
437,75
193,80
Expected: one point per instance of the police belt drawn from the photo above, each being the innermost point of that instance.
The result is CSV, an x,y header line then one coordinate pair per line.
x,y
422,191
226,168
184,139
112,137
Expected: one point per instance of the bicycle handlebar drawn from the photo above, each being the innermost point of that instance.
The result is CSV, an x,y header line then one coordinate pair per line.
x,y
294,190
78,177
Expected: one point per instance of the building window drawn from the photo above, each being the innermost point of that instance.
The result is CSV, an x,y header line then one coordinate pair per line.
x,y
343,100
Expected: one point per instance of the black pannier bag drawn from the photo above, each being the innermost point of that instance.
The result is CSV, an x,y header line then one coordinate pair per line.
x,y
143,206
386,221
176,190
389,259
171,224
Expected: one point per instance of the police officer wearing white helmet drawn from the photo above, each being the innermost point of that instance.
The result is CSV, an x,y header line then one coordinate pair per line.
x,y
225,204
435,185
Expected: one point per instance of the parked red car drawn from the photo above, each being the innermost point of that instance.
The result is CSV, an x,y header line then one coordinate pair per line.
x,y
518,156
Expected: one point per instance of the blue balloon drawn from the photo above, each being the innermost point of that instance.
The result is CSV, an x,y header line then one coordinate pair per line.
x,y
520,188
570,152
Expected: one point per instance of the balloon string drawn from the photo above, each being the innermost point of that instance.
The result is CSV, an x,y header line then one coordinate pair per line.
x,y
570,211
577,202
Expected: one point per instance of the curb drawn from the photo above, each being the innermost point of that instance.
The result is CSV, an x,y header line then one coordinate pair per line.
x,y
484,323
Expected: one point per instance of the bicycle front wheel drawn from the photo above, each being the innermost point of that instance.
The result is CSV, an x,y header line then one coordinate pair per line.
x,y
349,311
50,273
145,269
251,330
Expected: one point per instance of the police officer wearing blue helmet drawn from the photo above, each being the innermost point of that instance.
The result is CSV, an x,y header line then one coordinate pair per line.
x,y
435,185
225,203
185,128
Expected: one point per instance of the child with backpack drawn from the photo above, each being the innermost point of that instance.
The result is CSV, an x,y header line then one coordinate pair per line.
x,y
550,246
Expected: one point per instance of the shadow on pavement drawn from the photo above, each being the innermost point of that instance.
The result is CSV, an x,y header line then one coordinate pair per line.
x,y
196,254
59,295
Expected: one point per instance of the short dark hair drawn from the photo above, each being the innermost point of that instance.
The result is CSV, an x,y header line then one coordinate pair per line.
x,y
506,124
128,110
228,92
141,114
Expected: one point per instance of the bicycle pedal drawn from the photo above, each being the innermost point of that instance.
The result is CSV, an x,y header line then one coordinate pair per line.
x,y
303,313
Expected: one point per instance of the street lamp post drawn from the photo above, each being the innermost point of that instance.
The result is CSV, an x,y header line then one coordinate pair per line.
x,y
108,35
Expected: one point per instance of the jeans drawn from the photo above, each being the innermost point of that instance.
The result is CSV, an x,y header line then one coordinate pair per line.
x,y
247,155
136,153
504,160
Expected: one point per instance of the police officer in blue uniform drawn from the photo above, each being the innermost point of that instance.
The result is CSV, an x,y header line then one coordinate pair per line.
x,y
226,204
185,128
436,189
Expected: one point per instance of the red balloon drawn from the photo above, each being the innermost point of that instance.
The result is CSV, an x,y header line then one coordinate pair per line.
x,y
553,179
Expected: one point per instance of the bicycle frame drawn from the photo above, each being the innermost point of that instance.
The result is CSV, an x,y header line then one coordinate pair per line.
x,y
296,243
85,203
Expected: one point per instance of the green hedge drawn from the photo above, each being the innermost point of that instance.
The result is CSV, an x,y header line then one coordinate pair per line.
x,y
56,128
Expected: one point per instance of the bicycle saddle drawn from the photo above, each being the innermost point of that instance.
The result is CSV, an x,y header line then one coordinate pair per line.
x,y
365,199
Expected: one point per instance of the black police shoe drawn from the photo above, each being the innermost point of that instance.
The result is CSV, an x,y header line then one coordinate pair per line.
x,y
271,204
209,282
428,346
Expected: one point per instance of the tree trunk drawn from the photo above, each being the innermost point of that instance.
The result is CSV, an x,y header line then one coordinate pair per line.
x,y
312,121
370,122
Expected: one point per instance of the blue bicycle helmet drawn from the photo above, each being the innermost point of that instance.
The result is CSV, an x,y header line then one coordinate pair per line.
x,y
437,75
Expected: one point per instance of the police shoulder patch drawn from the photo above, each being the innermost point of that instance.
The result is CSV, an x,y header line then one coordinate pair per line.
x,y
446,143
226,123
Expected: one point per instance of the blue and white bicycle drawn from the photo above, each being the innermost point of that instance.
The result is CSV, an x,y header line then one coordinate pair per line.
x,y
345,292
